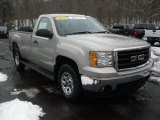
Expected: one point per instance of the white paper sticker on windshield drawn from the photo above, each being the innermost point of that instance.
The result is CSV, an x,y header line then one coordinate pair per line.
x,y
61,18
77,18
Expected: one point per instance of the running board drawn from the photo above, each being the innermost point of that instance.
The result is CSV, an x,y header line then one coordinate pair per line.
x,y
40,70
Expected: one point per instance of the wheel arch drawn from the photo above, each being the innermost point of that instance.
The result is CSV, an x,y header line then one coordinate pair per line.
x,y
14,46
61,60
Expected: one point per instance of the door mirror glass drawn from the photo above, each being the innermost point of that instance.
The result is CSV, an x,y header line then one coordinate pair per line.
x,y
44,33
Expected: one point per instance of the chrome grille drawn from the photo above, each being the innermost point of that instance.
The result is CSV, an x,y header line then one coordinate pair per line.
x,y
132,58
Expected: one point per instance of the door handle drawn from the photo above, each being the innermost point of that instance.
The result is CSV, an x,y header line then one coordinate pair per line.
x,y
35,42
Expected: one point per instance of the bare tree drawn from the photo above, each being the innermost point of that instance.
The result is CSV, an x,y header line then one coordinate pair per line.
x,y
144,10
6,11
107,11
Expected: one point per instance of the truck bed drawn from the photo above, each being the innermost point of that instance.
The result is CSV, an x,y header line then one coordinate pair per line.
x,y
24,40
152,33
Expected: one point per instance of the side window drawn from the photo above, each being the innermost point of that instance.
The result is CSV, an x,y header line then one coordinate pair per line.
x,y
45,24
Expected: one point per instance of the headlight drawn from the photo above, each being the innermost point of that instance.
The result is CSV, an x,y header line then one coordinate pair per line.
x,y
101,59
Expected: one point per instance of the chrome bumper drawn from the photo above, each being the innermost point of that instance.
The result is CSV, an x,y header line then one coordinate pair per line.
x,y
114,80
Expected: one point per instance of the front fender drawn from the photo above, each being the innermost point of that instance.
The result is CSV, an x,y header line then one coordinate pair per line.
x,y
77,54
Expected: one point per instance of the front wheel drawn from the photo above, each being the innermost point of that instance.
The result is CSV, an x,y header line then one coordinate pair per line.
x,y
69,82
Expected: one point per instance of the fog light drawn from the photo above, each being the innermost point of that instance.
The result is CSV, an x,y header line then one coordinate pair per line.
x,y
102,89
95,82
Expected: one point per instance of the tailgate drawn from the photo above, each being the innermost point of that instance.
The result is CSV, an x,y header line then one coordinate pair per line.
x,y
152,33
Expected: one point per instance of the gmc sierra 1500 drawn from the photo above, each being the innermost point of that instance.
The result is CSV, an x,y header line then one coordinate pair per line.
x,y
80,54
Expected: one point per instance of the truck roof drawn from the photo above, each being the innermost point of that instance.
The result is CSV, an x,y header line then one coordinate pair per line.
x,y
56,15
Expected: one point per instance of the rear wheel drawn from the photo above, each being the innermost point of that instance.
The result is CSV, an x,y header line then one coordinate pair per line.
x,y
69,82
17,59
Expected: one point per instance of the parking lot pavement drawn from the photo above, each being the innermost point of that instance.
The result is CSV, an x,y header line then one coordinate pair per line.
x,y
33,87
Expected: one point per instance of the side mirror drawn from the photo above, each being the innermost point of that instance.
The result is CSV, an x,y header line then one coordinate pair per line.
x,y
44,33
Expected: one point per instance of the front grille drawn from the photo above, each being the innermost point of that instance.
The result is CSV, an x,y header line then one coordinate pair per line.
x,y
132,58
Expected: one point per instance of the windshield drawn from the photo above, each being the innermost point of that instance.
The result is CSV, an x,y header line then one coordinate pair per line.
x,y
145,26
140,26
118,27
78,25
151,27
3,28
129,27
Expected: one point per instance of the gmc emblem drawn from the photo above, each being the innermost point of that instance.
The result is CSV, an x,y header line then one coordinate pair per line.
x,y
137,58
141,57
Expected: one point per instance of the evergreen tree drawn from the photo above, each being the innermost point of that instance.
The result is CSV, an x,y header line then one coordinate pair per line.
x,y
6,11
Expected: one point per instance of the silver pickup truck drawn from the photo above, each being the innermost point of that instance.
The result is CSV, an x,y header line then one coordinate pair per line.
x,y
81,55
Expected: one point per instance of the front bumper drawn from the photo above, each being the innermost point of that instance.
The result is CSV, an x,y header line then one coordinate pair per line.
x,y
115,80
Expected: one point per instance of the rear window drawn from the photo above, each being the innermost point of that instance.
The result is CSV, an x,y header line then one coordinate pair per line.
x,y
26,29
145,26
140,26
118,27
151,27
3,28
129,27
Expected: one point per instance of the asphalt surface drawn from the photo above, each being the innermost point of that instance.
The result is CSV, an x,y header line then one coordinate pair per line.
x,y
142,105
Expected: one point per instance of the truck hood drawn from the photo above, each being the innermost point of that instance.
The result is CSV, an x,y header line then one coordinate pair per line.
x,y
105,41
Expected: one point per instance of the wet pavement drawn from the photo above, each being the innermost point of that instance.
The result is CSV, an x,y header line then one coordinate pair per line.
x,y
142,105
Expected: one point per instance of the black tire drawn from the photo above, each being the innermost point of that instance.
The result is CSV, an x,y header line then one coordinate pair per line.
x,y
76,91
17,59
152,43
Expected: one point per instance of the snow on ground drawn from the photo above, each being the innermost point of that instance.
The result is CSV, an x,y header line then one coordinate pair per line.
x,y
51,89
87,81
155,54
3,77
30,93
155,79
20,110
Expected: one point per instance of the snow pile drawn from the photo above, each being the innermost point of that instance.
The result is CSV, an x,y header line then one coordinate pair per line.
x,y
30,93
3,77
156,69
156,51
155,79
20,110
155,54
154,57
49,89
87,81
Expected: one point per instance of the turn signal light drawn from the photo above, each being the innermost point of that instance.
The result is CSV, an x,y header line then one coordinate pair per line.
x,y
93,59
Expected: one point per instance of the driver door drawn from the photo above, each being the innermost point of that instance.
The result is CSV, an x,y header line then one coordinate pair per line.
x,y
42,51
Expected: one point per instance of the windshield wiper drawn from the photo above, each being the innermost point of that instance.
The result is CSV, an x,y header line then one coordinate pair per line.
x,y
83,32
